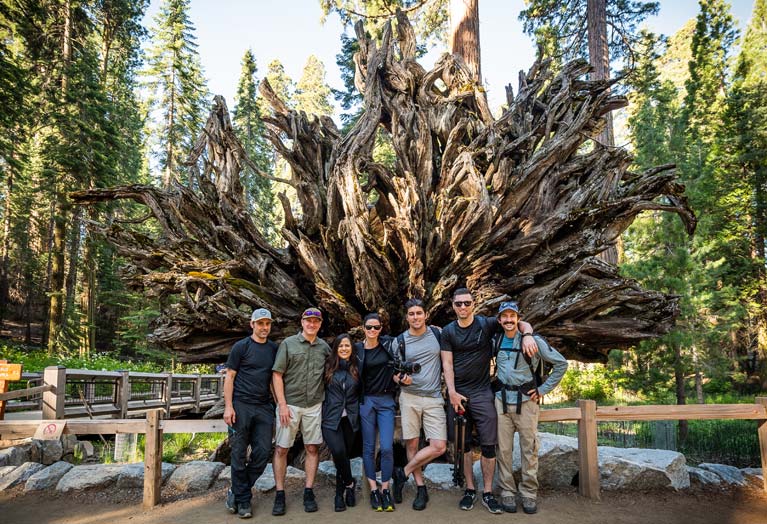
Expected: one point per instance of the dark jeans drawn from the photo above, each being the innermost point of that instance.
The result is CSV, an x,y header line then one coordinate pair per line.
x,y
377,413
253,426
340,442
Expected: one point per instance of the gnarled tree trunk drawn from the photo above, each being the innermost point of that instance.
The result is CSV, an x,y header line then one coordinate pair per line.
x,y
510,208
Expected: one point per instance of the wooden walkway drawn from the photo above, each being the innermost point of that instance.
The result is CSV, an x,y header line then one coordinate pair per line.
x,y
61,393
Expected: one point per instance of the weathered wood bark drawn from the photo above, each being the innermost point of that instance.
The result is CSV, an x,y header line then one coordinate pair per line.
x,y
513,207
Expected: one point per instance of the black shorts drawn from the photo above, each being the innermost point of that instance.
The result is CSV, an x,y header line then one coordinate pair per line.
x,y
480,414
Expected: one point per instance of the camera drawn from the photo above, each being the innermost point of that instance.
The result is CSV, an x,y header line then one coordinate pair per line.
x,y
408,368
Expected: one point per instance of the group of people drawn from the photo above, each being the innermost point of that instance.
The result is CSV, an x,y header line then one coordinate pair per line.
x,y
331,393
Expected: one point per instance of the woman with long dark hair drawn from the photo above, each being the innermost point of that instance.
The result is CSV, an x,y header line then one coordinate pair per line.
x,y
377,409
341,415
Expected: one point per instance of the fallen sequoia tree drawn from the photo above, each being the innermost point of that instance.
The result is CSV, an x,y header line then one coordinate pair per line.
x,y
514,207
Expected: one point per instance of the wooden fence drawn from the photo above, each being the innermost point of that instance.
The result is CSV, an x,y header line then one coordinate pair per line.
x,y
62,393
587,414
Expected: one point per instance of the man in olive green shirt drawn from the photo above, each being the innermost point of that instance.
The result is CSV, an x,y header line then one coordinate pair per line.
x,y
299,390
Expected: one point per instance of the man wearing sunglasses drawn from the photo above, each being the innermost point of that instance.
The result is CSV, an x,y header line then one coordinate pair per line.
x,y
299,391
467,352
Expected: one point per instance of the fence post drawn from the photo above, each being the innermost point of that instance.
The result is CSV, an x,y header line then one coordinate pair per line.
x,y
153,458
197,393
53,401
123,394
588,462
168,393
762,432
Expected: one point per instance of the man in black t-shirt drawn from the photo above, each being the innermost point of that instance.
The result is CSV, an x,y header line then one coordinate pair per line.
x,y
467,351
249,410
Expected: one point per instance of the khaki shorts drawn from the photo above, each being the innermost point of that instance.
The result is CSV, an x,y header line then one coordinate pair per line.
x,y
426,412
308,420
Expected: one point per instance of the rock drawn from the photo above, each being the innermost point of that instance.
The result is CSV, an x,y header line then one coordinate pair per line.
x,y
557,461
19,475
132,475
85,450
50,451
90,476
69,443
226,474
634,468
197,475
328,469
18,455
4,470
48,477
728,474
702,477
440,475
753,474
294,479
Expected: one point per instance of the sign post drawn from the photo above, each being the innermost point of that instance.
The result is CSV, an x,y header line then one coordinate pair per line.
x,y
8,373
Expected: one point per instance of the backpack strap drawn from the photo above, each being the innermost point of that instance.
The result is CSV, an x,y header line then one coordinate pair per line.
x,y
401,346
437,334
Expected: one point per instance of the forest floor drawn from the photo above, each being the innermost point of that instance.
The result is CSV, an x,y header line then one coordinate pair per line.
x,y
559,507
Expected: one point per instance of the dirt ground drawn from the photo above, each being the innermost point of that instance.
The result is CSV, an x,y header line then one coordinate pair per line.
x,y
749,507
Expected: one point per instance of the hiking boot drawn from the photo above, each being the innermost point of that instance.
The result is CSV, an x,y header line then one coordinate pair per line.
x,y
340,505
468,500
310,503
399,480
231,504
529,506
375,500
386,502
350,492
279,504
488,500
244,511
509,504
421,498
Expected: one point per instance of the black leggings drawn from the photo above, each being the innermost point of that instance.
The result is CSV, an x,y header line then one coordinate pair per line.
x,y
340,442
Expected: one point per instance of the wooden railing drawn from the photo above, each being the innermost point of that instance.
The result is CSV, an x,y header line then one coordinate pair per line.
x,y
587,414
62,393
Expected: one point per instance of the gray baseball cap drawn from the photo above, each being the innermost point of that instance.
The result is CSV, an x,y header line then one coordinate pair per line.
x,y
260,313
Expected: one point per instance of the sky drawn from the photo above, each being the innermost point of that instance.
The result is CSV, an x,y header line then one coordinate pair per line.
x,y
291,30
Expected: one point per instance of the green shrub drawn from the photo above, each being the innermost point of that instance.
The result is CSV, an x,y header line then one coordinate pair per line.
x,y
594,383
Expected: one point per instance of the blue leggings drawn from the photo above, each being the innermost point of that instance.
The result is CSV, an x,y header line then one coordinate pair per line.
x,y
377,412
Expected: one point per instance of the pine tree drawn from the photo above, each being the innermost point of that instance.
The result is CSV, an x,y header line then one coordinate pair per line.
x,y
178,89
312,92
249,127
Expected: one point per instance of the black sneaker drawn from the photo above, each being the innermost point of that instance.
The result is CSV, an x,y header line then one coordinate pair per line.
x,y
340,505
375,500
244,511
386,501
468,500
231,504
279,504
351,494
421,498
529,505
399,480
310,503
492,505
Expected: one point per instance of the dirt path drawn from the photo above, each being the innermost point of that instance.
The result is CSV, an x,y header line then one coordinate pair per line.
x,y
555,508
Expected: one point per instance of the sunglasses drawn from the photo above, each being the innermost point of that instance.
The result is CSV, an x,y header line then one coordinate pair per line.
x,y
316,314
369,327
466,303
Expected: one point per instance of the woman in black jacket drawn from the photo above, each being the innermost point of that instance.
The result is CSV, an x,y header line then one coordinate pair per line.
x,y
341,414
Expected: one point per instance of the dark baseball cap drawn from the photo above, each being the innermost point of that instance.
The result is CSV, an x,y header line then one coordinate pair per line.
x,y
508,306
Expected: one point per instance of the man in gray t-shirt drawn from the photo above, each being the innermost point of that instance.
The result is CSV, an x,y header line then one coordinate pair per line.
x,y
420,401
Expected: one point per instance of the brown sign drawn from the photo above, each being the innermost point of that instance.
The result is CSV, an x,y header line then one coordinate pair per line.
x,y
10,372
50,430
